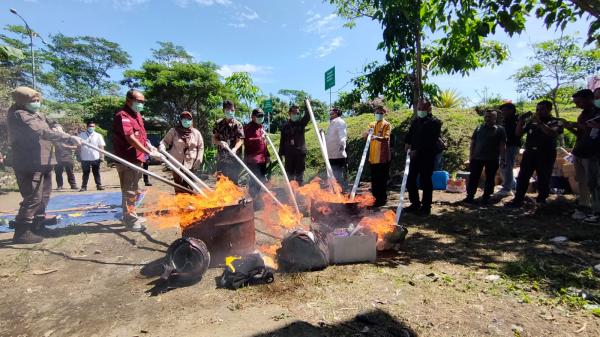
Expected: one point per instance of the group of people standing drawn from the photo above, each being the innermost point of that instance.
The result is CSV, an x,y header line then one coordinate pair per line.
x,y
90,159
34,140
495,146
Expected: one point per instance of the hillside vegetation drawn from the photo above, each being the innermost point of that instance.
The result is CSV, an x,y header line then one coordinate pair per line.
x,y
458,126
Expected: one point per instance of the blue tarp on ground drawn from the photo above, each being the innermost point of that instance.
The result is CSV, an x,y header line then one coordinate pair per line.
x,y
83,208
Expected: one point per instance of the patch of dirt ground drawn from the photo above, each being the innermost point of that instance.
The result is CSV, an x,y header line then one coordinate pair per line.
x,y
464,271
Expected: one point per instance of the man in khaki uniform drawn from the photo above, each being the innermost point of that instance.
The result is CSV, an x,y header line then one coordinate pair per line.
x,y
33,159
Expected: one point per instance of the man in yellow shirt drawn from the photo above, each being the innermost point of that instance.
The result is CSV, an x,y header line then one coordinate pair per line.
x,y
380,155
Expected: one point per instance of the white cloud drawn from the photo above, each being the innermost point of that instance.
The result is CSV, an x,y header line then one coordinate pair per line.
x,y
237,25
328,47
248,14
128,3
184,3
321,24
228,69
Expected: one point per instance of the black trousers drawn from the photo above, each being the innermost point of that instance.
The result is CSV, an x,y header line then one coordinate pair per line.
x,y
67,167
421,166
230,169
35,188
259,170
542,162
339,166
475,168
380,174
94,165
295,166
145,167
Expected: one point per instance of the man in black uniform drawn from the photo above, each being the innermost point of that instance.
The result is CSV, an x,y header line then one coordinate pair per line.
x,y
422,140
292,144
540,152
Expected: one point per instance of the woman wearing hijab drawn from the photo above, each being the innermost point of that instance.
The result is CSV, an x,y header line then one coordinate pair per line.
x,y
31,141
185,144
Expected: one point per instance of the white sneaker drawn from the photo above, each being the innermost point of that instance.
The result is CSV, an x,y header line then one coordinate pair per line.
x,y
137,225
578,215
592,219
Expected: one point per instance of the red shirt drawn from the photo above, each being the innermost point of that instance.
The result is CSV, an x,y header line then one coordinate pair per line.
x,y
255,146
127,123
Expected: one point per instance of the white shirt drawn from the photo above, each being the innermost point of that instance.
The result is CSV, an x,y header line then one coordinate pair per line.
x,y
336,138
96,139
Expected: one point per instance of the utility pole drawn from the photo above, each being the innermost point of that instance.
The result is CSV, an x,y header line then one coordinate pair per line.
x,y
32,34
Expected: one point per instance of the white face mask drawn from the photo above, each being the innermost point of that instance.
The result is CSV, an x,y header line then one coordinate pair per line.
x,y
422,114
378,117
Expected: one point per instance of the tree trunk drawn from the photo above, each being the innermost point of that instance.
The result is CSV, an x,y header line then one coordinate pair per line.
x,y
417,89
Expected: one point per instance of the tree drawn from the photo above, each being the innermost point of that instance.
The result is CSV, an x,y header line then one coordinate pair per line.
x,y
16,62
242,85
298,98
462,27
80,66
171,89
556,64
169,53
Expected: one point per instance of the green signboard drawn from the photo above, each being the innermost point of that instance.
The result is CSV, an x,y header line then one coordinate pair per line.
x,y
330,78
268,106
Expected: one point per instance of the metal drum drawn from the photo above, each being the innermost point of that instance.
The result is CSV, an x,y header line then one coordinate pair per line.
x,y
230,231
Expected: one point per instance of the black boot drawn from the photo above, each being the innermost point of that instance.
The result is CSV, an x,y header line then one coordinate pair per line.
x,y
24,234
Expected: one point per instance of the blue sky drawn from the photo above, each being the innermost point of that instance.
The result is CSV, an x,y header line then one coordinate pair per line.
x,y
284,44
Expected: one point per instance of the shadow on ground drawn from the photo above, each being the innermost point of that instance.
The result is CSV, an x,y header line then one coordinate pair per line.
x,y
373,323
481,236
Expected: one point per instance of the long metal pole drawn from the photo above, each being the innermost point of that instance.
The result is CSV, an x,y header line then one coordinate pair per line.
x,y
287,180
32,57
320,140
184,177
362,165
260,183
137,168
185,169
403,187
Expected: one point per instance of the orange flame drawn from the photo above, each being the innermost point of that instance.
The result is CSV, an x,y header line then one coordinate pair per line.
x,y
380,224
270,250
277,218
313,191
186,209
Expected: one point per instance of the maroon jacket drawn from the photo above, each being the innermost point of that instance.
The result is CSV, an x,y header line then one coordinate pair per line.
x,y
255,146
128,122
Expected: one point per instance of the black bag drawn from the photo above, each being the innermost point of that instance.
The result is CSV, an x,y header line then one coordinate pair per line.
x,y
244,271
186,263
302,251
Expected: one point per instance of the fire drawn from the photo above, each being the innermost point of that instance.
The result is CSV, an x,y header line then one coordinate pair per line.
x,y
314,191
277,218
380,224
270,250
189,208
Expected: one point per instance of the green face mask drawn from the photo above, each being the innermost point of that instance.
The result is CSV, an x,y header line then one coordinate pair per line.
x,y
260,120
422,114
33,106
597,103
378,117
295,117
137,107
186,123
229,114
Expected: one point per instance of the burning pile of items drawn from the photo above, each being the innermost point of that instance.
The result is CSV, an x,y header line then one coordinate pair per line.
x,y
218,229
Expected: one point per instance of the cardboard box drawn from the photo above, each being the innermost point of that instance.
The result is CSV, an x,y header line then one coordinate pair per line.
x,y
352,249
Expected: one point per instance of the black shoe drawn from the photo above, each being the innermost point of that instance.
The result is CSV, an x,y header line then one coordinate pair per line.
x,y
468,200
514,204
100,188
485,199
83,189
147,183
59,188
24,235
424,211
74,187
411,209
